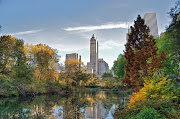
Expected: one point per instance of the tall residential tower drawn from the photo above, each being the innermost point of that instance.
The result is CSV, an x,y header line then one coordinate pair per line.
x,y
92,66
96,66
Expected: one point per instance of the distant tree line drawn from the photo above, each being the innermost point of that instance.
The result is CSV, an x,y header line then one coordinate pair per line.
x,y
27,69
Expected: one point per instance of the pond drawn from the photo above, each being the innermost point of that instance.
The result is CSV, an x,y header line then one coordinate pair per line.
x,y
81,105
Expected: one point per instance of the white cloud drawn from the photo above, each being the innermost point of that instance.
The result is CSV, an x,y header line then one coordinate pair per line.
x,y
100,27
26,32
110,44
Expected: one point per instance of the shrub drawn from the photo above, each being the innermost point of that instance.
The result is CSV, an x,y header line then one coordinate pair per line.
x,y
158,93
6,86
149,113
158,87
164,107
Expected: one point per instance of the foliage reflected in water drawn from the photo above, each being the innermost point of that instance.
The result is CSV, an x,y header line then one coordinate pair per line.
x,y
80,105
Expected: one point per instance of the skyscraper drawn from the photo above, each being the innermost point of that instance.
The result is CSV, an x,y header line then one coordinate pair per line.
x,y
96,66
151,21
92,66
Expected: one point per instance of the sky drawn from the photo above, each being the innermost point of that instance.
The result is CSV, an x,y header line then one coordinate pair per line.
x,y
68,25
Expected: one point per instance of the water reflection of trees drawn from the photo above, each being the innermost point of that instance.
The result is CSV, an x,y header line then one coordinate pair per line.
x,y
74,106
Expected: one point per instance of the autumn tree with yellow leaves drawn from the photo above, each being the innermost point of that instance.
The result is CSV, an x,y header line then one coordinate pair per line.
x,y
75,73
45,62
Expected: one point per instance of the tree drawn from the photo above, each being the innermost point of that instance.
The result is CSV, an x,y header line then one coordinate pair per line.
x,y
13,64
170,43
171,47
44,56
75,72
21,71
141,55
174,15
7,44
114,68
107,75
44,60
72,67
120,67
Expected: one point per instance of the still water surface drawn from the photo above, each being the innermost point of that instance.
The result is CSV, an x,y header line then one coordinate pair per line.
x,y
82,105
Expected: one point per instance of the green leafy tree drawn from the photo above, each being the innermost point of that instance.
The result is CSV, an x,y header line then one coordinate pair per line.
x,y
107,75
21,71
170,43
7,44
114,68
14,65
120,67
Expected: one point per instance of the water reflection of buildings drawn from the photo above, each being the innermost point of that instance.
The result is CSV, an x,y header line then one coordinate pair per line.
x,y
84,105
96,112
40,111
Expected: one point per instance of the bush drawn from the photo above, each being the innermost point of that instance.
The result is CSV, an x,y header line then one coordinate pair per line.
x,y
157,95
6,86
157,87
149,113
164,107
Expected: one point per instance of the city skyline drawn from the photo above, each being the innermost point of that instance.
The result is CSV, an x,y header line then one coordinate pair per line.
x,y
68,27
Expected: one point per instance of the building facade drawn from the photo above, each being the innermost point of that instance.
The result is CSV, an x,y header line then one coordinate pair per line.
x,y
74,56
102,67
151,21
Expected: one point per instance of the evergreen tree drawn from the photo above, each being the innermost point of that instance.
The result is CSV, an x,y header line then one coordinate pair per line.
x,y
141,55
